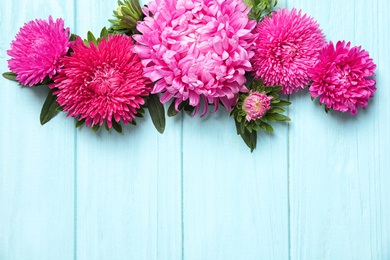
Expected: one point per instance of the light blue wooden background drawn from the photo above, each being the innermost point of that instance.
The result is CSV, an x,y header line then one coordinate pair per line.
x,y
319,188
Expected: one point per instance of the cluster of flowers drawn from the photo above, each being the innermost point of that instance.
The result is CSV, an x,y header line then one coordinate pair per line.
x,y
193,54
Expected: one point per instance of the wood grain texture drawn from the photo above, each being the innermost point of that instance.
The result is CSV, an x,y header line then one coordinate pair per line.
x,y
315,189
36,163
337,162
235,203
128,185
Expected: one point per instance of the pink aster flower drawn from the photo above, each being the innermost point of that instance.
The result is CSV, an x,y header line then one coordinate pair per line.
x,y
102,82
288,44
38,50
342,77
196,50
256,105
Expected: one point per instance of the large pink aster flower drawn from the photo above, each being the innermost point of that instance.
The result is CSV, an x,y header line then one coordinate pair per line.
x,y
196,49
342,77
102,82
38,50
288,44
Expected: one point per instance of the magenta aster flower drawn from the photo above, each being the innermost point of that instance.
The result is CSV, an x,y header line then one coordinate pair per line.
x,y
196,50
38,50
256,105
102,82
288,44
342,77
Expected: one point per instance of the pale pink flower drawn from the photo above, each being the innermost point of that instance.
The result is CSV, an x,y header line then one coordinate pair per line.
x,y
342,77
256,105
288,44
38,50
196,50
102,82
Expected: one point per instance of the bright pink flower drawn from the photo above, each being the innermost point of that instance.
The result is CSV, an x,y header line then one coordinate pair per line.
x,y
256,105
38,50
342,77
196,50
288,44
102,82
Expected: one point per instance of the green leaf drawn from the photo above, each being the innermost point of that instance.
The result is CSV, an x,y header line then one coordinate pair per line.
x,y
157,113
250,139
276,110
249,3
277,89
189,109
269,89
10,76
73,37
104,33
266,127
106,125
117,126
91,38
327,109
95,128
49,109
280,117
269,117
172,110
282,103
237,126
46,81
80,123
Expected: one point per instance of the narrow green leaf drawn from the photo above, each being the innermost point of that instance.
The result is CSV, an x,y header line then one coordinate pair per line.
x,y
269,89
189,109
250,139
270,117
242,127
117,126
327,109
237,124
266,127
157,113
73,37
282,103
91,38
10,76
276,110
80,123
277,89
95,128
172,110
104,33
49,109
280,117
106,125
46,81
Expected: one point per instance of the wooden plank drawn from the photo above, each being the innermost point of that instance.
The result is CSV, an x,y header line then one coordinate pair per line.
x,y
339,163
128,195
128,185
235,203
36,162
